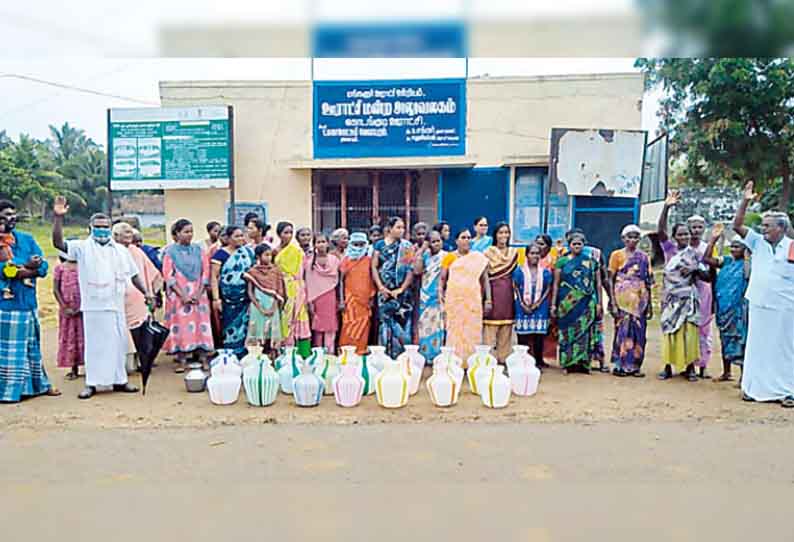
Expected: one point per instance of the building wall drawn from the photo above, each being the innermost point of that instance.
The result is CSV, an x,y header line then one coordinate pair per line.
x,y
509,121
513,117
272,127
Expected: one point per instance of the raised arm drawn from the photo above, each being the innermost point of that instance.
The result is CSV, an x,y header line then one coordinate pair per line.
x,y
672,200
738,220
716,233
60,208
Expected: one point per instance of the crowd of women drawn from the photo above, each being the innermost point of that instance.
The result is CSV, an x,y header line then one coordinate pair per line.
x,y
244,287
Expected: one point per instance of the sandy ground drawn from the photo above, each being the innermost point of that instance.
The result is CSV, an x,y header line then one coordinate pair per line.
x,y
575,398
654,481
589,458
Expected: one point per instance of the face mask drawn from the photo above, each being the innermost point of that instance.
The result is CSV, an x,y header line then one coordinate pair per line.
x,y
100,235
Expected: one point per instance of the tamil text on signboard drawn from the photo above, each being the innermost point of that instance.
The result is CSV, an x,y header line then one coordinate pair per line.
x,y
389,118
185,147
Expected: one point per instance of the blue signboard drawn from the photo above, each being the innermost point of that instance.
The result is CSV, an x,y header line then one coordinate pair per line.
x,y
421,39
362,119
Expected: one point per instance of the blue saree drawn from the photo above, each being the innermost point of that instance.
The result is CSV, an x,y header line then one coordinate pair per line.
x,y
732,309
234,297
580,337
395,314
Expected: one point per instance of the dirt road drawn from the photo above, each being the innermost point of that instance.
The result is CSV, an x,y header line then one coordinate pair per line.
x,y
588,458
561,399
617,482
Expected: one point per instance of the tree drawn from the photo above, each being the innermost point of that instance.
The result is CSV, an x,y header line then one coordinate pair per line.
x,y
18,185
81,164
723,28
5,141
732,118
68,142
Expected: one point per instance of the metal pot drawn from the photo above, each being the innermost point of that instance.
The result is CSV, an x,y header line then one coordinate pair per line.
x,y
195,378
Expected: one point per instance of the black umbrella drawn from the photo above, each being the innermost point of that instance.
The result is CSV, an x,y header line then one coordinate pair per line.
x,y
149,339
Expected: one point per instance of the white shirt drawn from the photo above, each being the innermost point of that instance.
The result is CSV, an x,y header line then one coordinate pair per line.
x,y
103,272
772,275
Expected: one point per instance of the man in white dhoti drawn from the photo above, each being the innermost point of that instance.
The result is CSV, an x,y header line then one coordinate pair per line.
x,y
104,269
768,373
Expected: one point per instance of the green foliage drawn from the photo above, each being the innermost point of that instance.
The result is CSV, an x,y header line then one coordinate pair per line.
x,y
18,184
752,220
33,172
730,119
723,28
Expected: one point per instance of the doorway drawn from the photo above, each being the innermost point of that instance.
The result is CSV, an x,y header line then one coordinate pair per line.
x,y
356,199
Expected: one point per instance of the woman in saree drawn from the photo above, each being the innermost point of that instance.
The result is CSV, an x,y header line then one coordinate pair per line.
x,y
502,261
230,291
431,314
481,240
358,292
295,329
136,310
732,309
392,270
465,291
631,280
576,303
680,317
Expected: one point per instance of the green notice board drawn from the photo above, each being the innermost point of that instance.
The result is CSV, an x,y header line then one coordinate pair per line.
x,y
162,148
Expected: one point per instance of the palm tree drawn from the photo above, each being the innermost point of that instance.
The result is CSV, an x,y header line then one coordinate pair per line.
x,y
68,142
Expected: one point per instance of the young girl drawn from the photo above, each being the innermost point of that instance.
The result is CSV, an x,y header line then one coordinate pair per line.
x,y
322,293
532,285
267,294
70,320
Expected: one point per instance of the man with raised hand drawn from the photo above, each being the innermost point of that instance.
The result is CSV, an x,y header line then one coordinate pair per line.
x,y
103,268
768,373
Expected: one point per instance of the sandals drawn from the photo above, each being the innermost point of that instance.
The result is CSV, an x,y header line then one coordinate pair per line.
x,y
125,388
638,374
604,368
666,374
617,371
71,375
747,398
692,377
725,378
87,393
53,392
